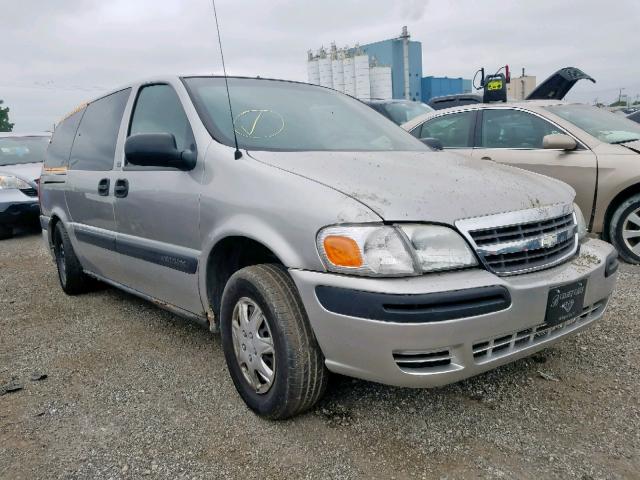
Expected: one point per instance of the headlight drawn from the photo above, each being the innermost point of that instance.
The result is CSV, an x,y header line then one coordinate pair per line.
x,y
439,248
9,181
377,250
582,225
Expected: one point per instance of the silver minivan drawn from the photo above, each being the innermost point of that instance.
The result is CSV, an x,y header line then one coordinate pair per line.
x,y
330,240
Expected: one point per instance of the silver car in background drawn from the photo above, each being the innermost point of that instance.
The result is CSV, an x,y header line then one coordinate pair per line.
x,y
331,240
21,157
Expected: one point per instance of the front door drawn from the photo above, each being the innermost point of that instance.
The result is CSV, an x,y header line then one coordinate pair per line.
x,y
157,209
514,137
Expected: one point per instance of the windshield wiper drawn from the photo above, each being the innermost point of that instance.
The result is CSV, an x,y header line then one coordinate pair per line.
x,y
634,139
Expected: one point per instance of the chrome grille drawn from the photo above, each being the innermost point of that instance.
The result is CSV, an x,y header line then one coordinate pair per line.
x,y
521,232
524,241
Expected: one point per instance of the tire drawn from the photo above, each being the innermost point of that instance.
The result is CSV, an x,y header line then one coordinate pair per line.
x,y
299,376
72,278
625,222
5,232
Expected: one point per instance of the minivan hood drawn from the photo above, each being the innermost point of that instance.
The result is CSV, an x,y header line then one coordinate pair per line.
x,y
26,171
423,186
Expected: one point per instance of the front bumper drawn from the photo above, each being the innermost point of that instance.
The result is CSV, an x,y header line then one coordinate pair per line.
x,y
18,211
421,353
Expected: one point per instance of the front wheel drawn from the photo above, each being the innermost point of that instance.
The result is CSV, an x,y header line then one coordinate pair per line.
x,y
624,229
270,349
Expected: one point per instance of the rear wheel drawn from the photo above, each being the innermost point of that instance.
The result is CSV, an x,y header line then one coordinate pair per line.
x,y
72,278
624,229
272,355
5,232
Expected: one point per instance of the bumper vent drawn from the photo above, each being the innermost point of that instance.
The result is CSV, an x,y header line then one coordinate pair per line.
x,y
512,342
29,192
524,241
422,362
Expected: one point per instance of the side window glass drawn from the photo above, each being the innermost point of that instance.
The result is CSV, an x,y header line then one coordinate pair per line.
x,y
452,130
158,110
60,147
95,144
514,129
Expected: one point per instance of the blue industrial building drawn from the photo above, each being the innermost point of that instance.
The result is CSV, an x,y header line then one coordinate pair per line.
x,y
390,53
439,86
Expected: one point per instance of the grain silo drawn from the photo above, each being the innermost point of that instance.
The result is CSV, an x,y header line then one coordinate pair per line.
x,y
337,68
380,77
363,84
313,69
324,69
349,73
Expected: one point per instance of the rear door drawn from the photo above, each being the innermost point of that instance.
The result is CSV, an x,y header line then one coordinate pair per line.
x,y
90,179
157,208
454,130
514,137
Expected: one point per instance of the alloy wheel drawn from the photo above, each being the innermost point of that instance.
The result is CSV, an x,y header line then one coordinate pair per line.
x,y
631,231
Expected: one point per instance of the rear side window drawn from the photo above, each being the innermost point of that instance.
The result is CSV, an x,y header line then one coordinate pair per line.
x,y
454,131
514,129
95,144
60,147
158,110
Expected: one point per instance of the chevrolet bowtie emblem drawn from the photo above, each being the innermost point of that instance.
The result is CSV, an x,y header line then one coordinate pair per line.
x,y
549,240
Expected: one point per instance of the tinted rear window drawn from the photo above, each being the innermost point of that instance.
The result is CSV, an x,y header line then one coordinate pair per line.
x,y
95,144
60,147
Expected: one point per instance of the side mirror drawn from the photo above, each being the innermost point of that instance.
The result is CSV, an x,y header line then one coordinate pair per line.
x,y
157,150
433,143
558,141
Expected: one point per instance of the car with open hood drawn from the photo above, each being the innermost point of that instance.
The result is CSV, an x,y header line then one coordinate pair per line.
x,y
21,157
593,150
316,236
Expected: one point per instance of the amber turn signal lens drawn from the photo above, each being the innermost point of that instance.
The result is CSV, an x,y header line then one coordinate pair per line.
x,y
342,251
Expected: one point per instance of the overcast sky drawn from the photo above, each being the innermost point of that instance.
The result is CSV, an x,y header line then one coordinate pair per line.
x,y
57,54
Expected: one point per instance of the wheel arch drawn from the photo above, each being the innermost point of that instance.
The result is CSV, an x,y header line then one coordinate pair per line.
x,y
618,200
228,255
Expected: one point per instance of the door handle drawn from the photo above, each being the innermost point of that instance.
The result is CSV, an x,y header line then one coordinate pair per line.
x,y
103,187
486,158
121,188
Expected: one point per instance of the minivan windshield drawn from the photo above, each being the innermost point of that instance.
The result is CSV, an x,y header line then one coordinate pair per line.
x,y
602,124
18,150
288,116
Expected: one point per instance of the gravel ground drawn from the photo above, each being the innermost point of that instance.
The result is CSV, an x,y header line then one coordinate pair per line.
x,y
133,391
